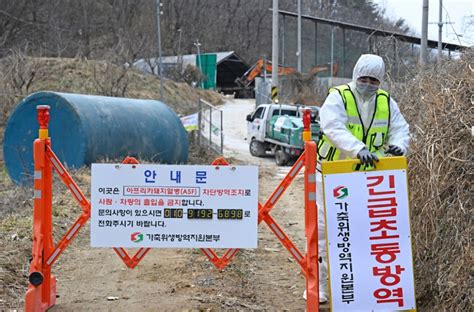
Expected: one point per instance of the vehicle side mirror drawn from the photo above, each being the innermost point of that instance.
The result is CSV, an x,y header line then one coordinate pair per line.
x,y
249,117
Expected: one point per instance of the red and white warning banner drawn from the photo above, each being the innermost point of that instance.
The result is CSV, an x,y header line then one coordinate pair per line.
x,y
369,241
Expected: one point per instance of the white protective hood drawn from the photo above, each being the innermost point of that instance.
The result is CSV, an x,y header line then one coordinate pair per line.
x,y
334,118
369,65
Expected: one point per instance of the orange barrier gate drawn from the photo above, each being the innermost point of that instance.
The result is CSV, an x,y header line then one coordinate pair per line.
x,y
41,293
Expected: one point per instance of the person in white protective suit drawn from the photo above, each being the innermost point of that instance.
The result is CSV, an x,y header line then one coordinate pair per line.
x,y
358,120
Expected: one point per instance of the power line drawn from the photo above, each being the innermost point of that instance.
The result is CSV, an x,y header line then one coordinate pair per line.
x,y
451,23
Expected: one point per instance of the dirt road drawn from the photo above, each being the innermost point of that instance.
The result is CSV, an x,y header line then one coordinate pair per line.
x,y
266,278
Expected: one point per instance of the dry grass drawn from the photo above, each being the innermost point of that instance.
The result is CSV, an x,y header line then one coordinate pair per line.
x,y
438,104
15,242
15,231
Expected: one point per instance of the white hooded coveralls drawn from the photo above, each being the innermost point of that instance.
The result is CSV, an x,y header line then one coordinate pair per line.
x,y
333,123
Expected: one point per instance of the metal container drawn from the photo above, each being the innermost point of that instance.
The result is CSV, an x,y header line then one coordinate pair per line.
x,y
289,130
88,128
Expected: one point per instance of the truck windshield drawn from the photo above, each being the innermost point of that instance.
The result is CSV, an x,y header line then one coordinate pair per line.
x,y
288,112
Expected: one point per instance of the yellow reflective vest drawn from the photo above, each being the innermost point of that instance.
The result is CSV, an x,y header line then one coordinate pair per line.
x,y
374,137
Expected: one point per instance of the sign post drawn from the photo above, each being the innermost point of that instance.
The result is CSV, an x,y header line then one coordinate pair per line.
x,y
369,240
174,206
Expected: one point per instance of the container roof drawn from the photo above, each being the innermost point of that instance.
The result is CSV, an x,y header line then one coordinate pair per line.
x,y
187,59
229,66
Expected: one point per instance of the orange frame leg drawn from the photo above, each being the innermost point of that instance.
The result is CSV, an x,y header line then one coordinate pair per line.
x,y
41,294
311,229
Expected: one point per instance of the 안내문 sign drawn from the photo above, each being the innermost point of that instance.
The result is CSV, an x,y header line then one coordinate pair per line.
x,y
174,206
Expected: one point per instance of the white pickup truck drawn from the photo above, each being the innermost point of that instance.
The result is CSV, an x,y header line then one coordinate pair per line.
x,y
278,129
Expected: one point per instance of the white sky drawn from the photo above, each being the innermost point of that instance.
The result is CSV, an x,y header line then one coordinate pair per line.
x,y
461,12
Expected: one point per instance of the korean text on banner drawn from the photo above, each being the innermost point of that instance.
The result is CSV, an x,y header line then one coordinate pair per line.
x,y
174,206
369,241
190,122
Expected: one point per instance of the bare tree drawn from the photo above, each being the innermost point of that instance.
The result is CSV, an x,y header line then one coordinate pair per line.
x,y
127,28
110,79
18,74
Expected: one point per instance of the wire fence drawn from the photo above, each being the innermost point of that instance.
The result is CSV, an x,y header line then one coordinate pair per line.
x,y
210,121
263,91
324,44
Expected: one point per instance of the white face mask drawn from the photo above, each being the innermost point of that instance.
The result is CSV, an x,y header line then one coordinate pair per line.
x,y
366,89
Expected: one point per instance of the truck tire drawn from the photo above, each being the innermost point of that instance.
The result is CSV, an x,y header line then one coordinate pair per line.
x,y
256,148
291,161
281,158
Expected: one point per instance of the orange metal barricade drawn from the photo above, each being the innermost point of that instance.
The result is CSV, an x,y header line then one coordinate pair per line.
x,y
41,293
131,262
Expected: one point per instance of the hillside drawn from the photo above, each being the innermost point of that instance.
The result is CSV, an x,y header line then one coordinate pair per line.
x,y
20,76
90,77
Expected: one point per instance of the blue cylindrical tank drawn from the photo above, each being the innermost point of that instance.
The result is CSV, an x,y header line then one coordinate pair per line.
x,y
88,128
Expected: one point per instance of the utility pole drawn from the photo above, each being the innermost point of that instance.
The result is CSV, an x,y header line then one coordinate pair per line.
x,y
440,31
160,61
332,57
424,34
180,58
298,52
179,41
440,24
275,51
198,45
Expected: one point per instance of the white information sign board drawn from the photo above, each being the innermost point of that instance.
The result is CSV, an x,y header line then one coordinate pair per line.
x,y
369,245
174,206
